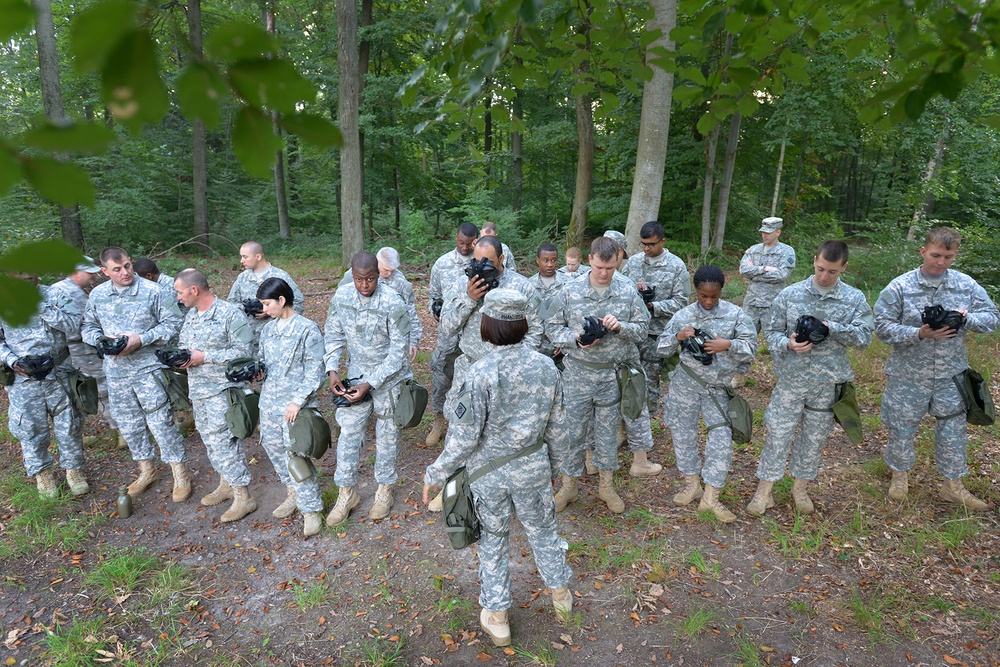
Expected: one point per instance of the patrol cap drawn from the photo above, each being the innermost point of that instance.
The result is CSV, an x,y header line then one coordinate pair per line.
x,y
505,304
769,225
617,237
88,265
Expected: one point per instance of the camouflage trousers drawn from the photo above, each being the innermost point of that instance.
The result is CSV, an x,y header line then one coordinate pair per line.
x,y
84,358
274,440
808,406
225,452
905,401
638,431
593,408
652,366
686,402
758,314
498,496
353,423
140,406
441,378
31,403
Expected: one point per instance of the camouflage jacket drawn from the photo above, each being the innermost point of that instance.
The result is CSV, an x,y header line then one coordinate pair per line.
x,y
248,282
447,270
669,275
294,359
398,282
726,320
56,318
222,334
765,285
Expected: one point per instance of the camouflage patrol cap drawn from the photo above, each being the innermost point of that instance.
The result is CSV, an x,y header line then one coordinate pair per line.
x,y
617,237
505,304
88,265
770,225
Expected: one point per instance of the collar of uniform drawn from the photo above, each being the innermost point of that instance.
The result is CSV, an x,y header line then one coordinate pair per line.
x,y
925,283
834,293
131,290
659,260
210,312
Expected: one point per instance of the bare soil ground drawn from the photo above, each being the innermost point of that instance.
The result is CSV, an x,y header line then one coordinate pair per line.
x,y
862,582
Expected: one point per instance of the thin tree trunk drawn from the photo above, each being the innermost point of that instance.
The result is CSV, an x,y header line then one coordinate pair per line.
x,y
199,168
585,150
351,222
515,151
798,170
777,178
364,54
654,129
706,201
871,182
487,125
927,205
280,189
48,68
727,180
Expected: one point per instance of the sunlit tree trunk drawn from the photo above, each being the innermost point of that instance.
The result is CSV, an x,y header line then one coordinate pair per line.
x,y
727,180
351,222
706,200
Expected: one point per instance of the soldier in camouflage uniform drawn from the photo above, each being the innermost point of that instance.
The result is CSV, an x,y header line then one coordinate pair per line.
x,y
368,320
447,270
665,272
33,401
490,229
84,357
590,377
494,417
923,362
257,270
574,264
697,389
216,332
767,266
133,307
291,348
808,374
547,282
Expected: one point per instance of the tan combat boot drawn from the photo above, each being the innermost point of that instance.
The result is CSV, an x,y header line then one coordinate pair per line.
x,y
347,500
437,502
803,503
222,493
899,487
182,483
710,503
692,490
739,379
953,491
496,626
606,492
383,502
567,493
588,462
562,602
77,482
762,499
437,431
243,504
642,467
311,523
147,477
287,505
46,483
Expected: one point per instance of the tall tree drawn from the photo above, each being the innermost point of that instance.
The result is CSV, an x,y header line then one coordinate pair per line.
x,y
280,188
199,169
654,126
48,68
722,210
351,222
706,201
585,148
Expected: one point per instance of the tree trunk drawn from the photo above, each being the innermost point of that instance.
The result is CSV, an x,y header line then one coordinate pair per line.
x,y
727,180
515,151
48,68
280,189
487,125
363,60
927,205
777,178
351,223
585,151
199,169
798,170
706,201
654,129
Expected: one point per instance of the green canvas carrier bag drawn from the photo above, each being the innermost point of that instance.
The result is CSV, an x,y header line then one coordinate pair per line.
x,y
6,375
738,411
846,412
309,434
632,382
409,409
979,410
175,383
243,413
83,392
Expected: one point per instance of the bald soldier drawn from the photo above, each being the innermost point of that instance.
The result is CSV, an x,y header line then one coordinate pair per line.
x,y
257,270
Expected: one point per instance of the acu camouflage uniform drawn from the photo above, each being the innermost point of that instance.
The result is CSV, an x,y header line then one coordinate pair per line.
x,y
590,377
32,402
687,399
138,401
581,270
246,286
84,357
807,382
399,284
294,359
546,297
919,371
494,417
449,269
222,334
765,285
375,334
669,275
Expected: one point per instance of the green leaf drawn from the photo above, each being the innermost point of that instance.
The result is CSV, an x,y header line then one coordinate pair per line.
x,y
735,22
274,84
254,142
914,103
200,90
61,182
237,40
686,94
582,88
96,31
69,138
132,88
991,121
856,45
15,15
18,300
748,105
707,123
692,74
10,171
38,257
316,130
795,73
519,75
609,100
529,10
821,21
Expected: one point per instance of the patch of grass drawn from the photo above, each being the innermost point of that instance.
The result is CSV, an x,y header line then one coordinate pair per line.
x,y
541,655
40,524
798,540
311,596
377,652
643,518
746,654
987,619
697,621
77,645
118,575
953,533
628,554
875,613
696,559
801,607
